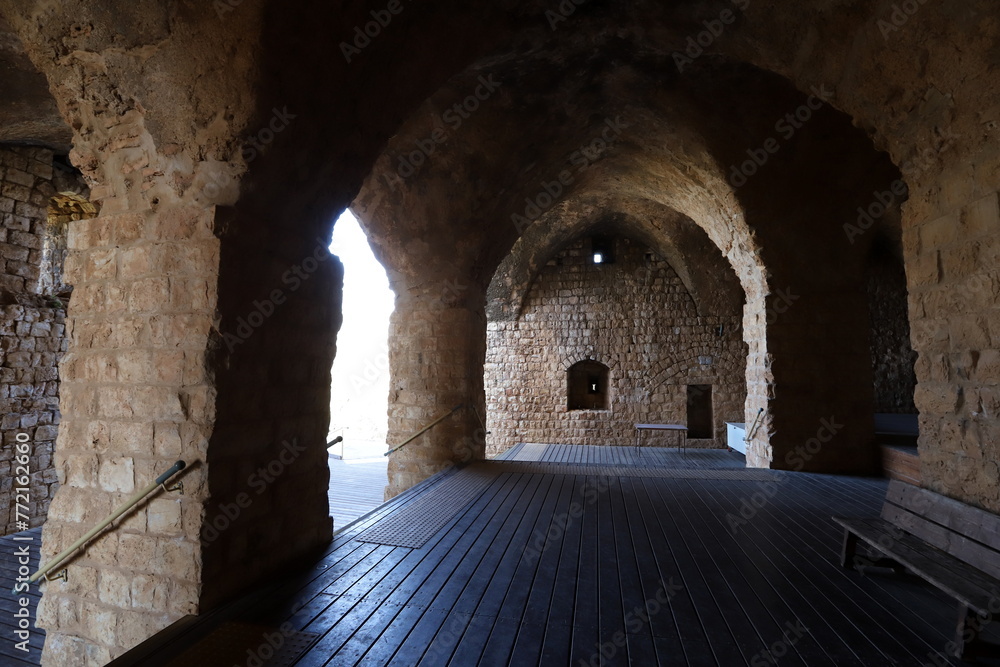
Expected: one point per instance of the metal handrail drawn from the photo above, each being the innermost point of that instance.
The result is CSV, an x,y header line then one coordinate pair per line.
x,y
753,428
122,509
333,442
425,429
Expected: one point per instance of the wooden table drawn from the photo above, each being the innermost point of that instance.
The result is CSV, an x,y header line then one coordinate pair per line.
x,y
680,428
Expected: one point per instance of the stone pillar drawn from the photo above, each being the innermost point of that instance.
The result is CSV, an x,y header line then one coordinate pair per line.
x,y
952,245
136,396
821,413
437,350
139,379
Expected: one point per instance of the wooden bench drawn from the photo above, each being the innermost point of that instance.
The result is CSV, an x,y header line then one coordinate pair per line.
x,y
952,545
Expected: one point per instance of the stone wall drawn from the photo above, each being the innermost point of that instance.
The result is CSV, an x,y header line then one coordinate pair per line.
x,y
634,316
892,355
953,255
32,340
32,332
25,190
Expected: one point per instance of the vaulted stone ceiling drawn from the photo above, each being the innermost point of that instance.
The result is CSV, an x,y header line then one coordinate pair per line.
x,y
234,131
28,112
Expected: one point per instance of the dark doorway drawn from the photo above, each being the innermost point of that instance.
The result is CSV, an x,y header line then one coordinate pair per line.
x,y
699,410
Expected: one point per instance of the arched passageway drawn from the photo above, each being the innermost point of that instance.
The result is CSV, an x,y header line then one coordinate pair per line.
x,y
220,139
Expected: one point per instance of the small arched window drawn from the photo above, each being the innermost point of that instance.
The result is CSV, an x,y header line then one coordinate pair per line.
x,y
587,386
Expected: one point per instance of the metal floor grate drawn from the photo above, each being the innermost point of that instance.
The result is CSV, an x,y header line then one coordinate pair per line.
x,y
419,521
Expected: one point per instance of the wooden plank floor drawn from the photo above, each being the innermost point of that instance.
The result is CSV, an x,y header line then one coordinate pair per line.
x,y
656,457
10,547
356,488
559,569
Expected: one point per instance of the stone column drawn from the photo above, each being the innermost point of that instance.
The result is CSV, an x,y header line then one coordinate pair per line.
x,y
436,353
823,397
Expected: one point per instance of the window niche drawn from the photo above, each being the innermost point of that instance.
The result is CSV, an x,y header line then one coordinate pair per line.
x,y
588,386
602,250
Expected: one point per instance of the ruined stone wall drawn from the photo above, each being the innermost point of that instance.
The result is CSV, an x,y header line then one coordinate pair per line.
x,y
634,316
32,338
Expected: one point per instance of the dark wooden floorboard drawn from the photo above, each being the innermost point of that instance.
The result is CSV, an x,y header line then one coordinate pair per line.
x,y
10,547
558,630
657,586
637,601
868,628
501,635
765,593
509,496
478,594
398,585
914,601
757,540
539,593
714,620
886,606
586,633
908,595
466,593
692,638
356,487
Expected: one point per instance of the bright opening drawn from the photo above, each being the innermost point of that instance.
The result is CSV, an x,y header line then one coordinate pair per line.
x,y
598,258
360,388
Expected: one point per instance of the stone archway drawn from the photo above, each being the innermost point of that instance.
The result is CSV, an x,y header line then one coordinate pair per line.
x,y
159,111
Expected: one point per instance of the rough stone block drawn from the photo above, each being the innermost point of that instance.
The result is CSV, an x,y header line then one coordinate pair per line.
x,y
115,589
936,399
164,516
982,217
117,475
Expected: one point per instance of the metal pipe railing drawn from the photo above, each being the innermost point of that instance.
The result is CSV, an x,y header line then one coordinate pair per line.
x,y
333,442
122,509
753,428
425,429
